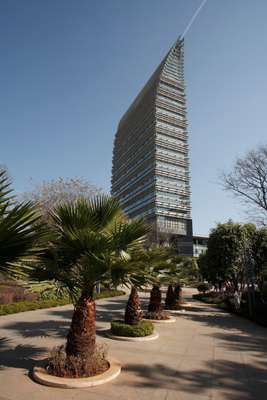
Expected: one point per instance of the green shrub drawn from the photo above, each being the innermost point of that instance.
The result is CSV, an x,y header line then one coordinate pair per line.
x,y
203,287
159,316
21,306
109,293
211,298
144,328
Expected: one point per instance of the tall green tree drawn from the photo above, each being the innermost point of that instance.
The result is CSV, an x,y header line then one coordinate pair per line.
x,y
259,252
90,238
225,257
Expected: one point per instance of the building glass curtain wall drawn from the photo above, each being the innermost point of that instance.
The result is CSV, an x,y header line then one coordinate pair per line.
x,y
150,172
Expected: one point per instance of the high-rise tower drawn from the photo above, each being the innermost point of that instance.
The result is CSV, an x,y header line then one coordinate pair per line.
x,y
150,173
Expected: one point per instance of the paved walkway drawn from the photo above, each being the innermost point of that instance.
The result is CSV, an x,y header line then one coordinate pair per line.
x,y
205,354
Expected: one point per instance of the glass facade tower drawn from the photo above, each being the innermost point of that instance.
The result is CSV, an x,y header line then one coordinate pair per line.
x,y
150,172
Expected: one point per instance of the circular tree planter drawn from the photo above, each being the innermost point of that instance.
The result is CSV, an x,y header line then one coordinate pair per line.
x,y
181,311
161,321
147,338
41,375
186,304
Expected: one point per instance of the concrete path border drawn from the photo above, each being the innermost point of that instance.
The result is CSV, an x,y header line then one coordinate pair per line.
x,y
40,375
161,321
148,338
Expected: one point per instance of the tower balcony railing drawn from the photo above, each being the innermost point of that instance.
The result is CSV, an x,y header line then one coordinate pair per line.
x,y
173,160
172,174
175,146
171,107
172,133
179,85
171,95
171,120
172,206
184,192
143,190
176,214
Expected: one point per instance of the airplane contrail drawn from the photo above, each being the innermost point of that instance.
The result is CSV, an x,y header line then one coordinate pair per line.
x,y
193,18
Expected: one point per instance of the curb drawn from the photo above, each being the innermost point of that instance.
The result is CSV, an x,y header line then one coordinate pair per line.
x,y
40,375
153,336
161,321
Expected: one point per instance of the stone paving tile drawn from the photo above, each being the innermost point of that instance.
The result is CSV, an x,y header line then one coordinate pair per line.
x,y
205,355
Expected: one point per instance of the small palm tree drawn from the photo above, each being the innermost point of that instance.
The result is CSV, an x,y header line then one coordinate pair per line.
x,y
134,273
170,298
133,312
91,238
181,270
156,261
20,231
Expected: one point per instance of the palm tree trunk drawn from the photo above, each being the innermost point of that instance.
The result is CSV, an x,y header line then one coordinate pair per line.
x,y
82,334
155,300
133,313
178,295
170,299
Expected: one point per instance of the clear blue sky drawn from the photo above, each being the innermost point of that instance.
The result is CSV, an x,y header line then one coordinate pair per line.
x,y
69,69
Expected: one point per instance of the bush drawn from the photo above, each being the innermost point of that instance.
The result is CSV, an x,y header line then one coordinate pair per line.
x,y
159,316
13,293
31,305
109,293
210,298
203,287
144,328
59,364
39,304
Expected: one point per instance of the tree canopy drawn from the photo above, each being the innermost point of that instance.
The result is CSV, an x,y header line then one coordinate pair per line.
x,y
62,190
248,181
224,260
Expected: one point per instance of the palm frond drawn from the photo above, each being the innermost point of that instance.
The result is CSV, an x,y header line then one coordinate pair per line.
x,y
94,214
21,234
128,234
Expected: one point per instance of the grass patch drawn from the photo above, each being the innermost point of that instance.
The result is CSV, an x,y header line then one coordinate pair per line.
x,y
144,328
22,306
211,298
109,293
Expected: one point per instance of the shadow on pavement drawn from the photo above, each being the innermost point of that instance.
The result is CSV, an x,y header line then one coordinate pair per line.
x,y
225,376
21,356
39,328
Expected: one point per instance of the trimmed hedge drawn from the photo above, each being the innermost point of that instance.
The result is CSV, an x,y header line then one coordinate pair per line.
x,y
212,298
22,306
203,287
109,293
144,328
157,316
209,298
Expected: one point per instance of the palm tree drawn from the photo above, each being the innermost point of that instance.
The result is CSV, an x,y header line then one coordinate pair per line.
x,y
156,260
133,312
170,299
20,231
182,270
91,238
134,273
